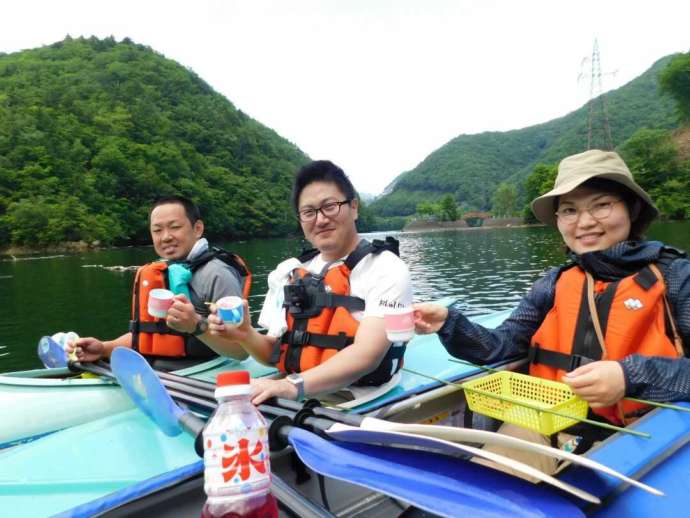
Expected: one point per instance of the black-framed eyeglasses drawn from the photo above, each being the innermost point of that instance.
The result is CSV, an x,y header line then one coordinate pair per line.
x,y
599,210
329,209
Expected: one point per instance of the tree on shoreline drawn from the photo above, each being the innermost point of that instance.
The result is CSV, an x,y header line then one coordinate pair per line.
x,y
505,200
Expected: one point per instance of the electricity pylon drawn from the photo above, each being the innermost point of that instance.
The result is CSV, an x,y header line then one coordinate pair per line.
x,y
598,129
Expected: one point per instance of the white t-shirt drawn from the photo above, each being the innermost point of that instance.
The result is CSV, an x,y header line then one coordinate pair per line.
x,y
382,280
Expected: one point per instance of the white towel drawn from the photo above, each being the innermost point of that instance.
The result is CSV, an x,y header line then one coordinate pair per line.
x,y
272,315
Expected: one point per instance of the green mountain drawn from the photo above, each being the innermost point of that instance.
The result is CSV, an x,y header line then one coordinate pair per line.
x,y
91,131
470,167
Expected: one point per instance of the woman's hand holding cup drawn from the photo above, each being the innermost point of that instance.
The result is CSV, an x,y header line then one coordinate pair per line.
x,y
429,318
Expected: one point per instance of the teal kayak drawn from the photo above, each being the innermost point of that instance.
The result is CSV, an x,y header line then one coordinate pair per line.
x,y
34,403
79,464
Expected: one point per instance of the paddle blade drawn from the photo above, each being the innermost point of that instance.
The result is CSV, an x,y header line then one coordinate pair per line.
x,y
142,385
446,486
51,353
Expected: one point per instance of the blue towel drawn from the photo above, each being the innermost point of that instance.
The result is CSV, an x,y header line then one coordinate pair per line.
x,y
179,276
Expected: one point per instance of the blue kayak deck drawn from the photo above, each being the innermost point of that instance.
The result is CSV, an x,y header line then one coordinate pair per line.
x,y
663,461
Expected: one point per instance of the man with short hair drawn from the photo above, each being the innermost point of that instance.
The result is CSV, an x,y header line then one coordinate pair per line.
x,y
205,275
324,310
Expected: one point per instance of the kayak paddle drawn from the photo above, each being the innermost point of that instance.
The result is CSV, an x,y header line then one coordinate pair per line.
x,y
139,380
200,395
446,433
436,483
52,355
457,434
192,388
360,467
343,432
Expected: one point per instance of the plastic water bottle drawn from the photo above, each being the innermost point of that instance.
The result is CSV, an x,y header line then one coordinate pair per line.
x,y
237,470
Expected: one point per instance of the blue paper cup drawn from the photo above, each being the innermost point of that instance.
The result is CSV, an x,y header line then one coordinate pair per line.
x,y
231,310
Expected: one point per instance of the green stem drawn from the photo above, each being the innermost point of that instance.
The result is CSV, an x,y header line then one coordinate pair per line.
x,y
470,364
533,407
657,403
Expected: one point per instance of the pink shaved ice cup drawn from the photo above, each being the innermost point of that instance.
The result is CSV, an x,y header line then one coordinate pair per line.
x,y
160,301
399,324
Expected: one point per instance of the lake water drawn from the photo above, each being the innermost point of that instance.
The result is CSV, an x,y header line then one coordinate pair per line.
x,y
487,269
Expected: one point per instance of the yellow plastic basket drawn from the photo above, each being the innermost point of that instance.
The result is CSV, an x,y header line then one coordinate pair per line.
x,y
498,395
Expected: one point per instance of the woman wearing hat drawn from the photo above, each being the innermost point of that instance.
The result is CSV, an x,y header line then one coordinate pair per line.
x,y
613,321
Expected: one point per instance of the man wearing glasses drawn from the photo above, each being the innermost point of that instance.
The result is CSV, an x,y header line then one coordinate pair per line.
x,y
324,310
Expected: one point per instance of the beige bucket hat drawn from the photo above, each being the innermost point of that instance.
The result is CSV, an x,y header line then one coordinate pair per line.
x,y
577,169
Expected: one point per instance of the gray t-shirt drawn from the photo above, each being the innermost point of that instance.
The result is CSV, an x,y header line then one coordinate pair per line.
x,y
210,282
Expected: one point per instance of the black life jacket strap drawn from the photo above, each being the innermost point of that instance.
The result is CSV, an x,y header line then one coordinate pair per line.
x,y
308,254
297,338
645,278
365,248
558,360
228,258
592,319
330,300
158,327
135,312
275,353
199,260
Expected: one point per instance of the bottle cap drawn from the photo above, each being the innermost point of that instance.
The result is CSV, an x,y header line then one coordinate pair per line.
x,y
232,378
232,383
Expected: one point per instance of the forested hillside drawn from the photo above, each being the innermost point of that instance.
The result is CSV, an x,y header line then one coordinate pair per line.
x,y
471,167
91,131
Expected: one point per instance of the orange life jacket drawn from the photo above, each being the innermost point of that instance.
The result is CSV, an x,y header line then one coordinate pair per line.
x,y
633,316
150,335
319,316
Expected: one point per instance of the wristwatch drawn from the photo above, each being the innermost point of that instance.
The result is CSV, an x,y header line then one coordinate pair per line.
x,y
297,381
201,327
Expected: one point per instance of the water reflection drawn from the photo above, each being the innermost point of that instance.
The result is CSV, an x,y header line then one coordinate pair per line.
x,y
486,269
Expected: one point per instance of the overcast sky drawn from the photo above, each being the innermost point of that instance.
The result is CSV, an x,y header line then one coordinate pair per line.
x,y
377,85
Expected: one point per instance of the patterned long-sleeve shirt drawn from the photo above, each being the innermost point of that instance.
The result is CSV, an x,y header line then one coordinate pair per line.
x,y
654,378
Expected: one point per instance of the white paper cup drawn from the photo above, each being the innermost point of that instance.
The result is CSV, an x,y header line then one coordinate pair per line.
x,y
160,301
399,324
63,339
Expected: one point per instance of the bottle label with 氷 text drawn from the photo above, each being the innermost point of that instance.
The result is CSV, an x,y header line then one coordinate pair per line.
x,y
236,460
